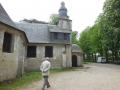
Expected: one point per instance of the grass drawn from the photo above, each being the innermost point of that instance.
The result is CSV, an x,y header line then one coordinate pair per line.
x,y
29,78
25,80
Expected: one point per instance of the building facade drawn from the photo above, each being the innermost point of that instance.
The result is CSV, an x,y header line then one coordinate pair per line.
x,y
24,45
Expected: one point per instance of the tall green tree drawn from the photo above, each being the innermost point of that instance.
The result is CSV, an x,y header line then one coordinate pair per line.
x,y
54,19
112,12
112,16
104,35
74,37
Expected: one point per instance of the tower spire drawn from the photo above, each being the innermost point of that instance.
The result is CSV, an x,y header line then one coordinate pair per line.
x,y
63,11
64,21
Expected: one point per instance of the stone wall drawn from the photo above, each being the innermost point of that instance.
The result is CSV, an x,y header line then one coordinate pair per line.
x,y
65,24
9,61
79,58
56,60
68,55
21,55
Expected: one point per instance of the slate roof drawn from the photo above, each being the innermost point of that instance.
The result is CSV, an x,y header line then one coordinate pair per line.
x,y
4,17
75,48
36,33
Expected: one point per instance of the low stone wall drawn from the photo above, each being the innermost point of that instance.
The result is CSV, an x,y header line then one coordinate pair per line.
x,y
33,64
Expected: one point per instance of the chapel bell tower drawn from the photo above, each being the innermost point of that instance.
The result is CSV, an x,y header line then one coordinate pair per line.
x,y
64,21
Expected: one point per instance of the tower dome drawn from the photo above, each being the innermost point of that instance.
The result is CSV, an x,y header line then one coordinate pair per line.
x,y
63,11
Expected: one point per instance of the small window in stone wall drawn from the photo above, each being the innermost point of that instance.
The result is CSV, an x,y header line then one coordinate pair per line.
x,y
48,51
7,43
31,51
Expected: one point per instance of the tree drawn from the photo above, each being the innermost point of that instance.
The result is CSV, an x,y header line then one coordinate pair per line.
x,y
74,37
104,35
112,16
84,42
54,19
111,11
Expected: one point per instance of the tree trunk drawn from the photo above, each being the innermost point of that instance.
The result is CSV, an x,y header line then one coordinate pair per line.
x,y
116,57
106,55
113,57
95,58
92,57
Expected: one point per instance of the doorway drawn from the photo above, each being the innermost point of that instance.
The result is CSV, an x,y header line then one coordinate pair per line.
x,y
74,61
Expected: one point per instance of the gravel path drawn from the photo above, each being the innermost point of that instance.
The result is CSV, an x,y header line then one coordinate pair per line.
x,y
92,77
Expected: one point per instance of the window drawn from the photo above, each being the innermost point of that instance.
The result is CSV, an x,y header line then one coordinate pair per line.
x,y
60,36
31,51
7,43
48,51
55,35
66,36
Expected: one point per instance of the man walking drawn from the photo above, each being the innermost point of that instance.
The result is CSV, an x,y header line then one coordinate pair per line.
x,y
45,67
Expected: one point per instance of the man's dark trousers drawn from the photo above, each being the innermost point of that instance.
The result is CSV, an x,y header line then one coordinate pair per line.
x,y
46,82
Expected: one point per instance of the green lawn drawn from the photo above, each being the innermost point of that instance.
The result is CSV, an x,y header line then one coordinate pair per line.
x,y
28,78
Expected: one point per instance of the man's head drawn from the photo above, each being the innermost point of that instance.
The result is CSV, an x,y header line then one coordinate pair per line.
x,y
47,58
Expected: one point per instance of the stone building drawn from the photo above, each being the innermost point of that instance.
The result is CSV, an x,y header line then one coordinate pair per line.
x,y
77,56
12,48
48,41
26,44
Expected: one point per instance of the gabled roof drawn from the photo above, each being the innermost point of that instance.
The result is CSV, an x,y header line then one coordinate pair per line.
x,y
36,33
4,17
40,33
76,48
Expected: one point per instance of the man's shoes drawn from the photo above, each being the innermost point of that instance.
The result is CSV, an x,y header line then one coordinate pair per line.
x,y
48,86
43,89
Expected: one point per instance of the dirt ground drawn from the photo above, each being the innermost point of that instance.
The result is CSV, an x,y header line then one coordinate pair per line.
x,y
92,77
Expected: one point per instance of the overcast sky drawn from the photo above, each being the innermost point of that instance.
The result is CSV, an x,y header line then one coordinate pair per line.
x,y
83,13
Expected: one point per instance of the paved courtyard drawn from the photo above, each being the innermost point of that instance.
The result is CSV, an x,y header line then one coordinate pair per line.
x,y
92,77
